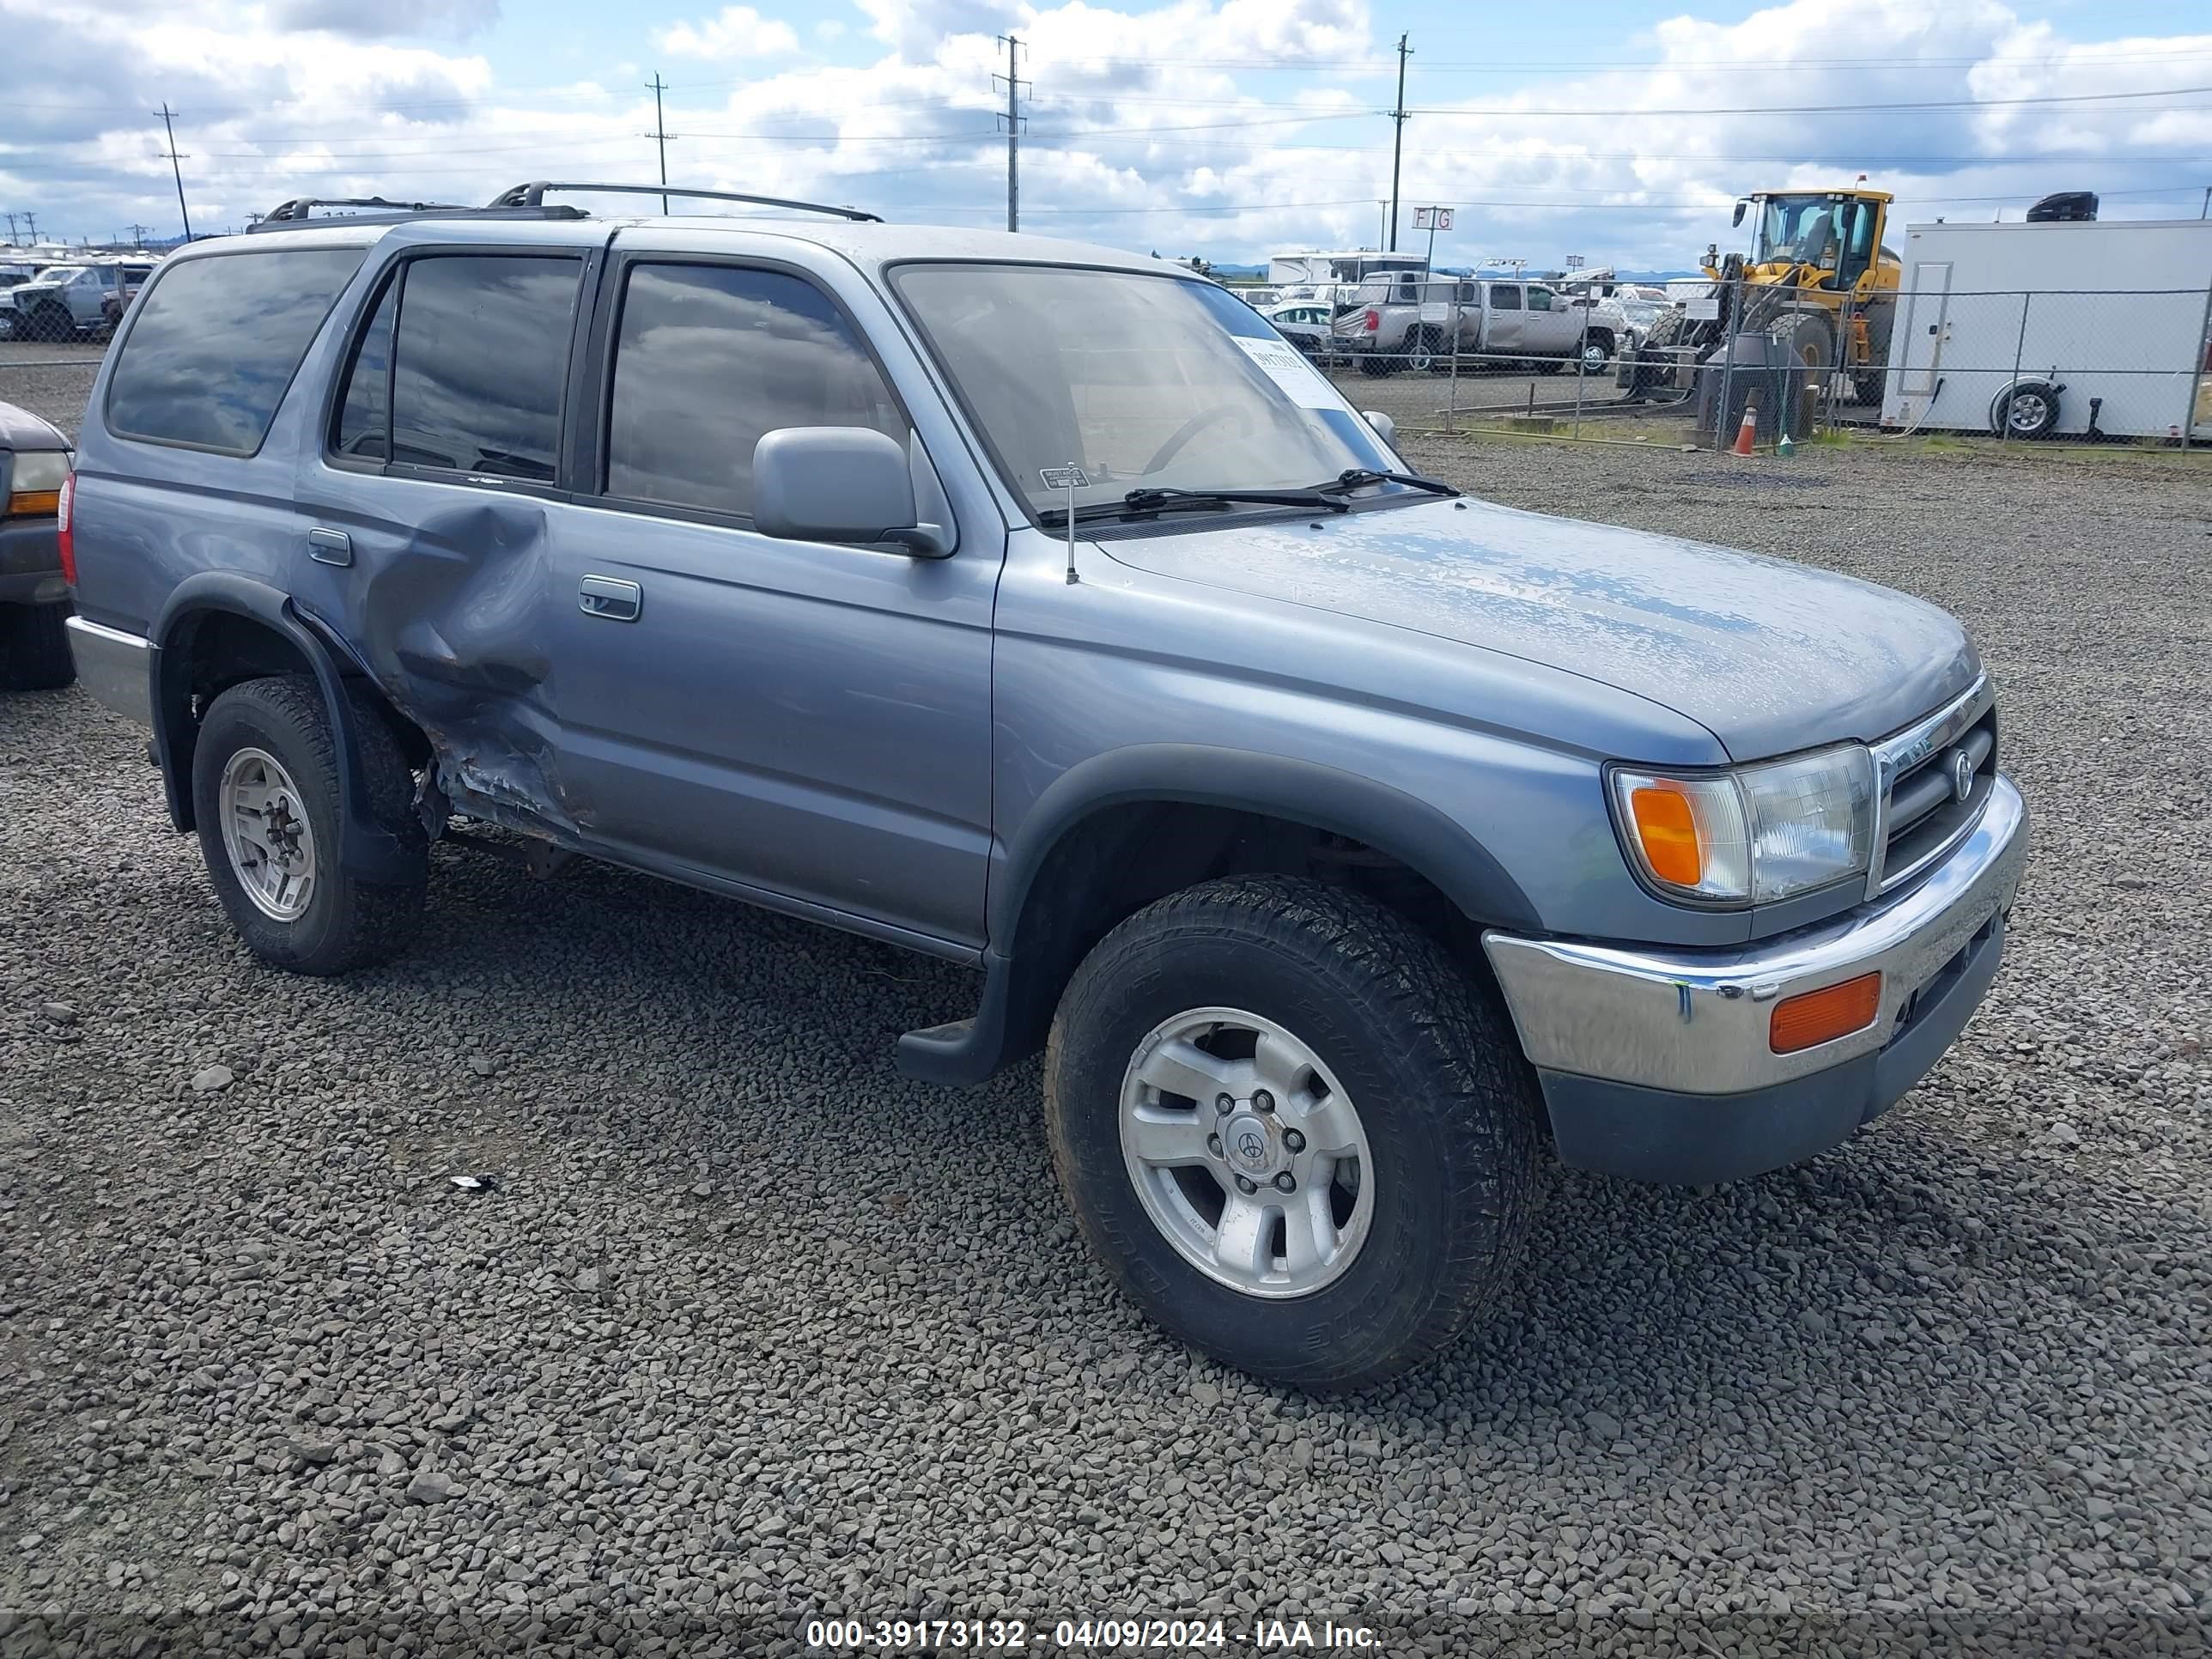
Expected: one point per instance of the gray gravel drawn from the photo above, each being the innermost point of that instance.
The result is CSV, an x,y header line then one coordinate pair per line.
x,y
743,1326
52,382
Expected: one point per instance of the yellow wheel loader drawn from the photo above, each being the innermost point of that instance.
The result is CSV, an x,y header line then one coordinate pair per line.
x,y
1818,283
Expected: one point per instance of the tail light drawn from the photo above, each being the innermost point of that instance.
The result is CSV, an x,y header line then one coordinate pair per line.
x,y
1374,320
63,501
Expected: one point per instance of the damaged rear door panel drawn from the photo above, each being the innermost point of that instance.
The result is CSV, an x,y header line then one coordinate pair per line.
x,y
431,507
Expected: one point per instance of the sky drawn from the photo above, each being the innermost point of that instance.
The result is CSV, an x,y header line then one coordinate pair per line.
x,y
1621,133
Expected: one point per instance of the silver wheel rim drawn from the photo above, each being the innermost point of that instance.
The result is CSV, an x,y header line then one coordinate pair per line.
x,y
2026,411
1592,358
266,834
1246,1153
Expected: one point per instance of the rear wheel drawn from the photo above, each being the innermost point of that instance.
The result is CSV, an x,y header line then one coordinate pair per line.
x,y
34,649
265,797
1421,351
1294,1136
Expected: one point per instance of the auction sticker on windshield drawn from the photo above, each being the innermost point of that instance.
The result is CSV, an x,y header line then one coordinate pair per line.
x,y
1287,369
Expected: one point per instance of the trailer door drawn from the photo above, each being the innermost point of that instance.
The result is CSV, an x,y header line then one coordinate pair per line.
x,y
1926,325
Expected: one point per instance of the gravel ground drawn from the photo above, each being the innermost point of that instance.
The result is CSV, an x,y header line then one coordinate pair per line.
x,y
751,1328
52,382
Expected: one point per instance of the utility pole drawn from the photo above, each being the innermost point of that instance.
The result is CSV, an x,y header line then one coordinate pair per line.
x,y
1013,120
1398,138
176,167
31,222
11,228
138,234
661,133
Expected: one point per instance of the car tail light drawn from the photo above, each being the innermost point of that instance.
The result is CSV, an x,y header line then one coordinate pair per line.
x,y
1373,321
63,499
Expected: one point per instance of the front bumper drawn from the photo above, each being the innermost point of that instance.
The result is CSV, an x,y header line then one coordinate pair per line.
x,y
31,562
1656,1063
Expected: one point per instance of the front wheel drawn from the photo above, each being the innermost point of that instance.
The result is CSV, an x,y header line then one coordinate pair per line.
x,y
1296,1137
265,799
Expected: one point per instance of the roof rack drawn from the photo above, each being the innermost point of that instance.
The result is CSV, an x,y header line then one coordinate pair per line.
x,y
375,210
532,195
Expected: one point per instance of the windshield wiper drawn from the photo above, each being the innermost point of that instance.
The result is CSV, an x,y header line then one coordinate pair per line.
x,y
1145,503
1358,477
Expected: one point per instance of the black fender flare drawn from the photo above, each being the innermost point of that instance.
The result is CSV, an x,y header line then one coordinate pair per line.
x,y
371,852
1327,798
1019,993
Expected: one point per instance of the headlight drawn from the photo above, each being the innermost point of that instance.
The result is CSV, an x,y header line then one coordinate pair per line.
x,y
34,484
1753,835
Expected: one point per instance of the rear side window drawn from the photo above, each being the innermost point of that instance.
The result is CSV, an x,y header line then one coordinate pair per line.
x,y
1505,296
480,354
710,357
217,341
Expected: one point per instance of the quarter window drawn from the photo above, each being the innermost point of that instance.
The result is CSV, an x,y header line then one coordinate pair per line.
x,y
364,424
217,342
708,359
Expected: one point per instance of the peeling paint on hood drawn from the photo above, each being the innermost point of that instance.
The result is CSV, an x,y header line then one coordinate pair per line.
x,y
1769,656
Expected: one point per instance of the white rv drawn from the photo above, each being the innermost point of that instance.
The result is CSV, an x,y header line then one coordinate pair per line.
x,y
2053,330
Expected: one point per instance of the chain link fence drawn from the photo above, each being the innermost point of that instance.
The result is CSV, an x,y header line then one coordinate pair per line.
x,y
1749,362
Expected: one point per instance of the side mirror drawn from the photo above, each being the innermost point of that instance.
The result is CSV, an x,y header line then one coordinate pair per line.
x,y
840,484
1385,427
1740,208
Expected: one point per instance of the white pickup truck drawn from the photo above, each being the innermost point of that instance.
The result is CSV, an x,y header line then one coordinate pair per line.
x,y
1405,320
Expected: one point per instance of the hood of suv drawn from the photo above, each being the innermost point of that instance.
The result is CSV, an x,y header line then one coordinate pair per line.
x,y
1768,655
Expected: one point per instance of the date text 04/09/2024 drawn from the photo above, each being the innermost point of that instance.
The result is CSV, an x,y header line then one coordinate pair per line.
x,y
1102,1635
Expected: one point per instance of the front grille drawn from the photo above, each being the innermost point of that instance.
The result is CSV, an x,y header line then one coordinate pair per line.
x,y
1924,817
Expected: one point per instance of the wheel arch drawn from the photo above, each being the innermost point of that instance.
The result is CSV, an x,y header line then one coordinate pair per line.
x,y
219,628
1115,833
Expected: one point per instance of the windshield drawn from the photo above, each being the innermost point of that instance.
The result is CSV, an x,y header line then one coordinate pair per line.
x,y
1802,229
1139,381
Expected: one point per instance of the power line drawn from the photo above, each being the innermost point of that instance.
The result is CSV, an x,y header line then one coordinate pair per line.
x,y
1857,109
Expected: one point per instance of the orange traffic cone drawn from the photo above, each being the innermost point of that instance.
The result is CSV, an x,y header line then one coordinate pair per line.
x,y
1747,433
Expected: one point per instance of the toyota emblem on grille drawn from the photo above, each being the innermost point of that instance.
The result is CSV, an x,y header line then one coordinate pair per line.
x,y
1962,773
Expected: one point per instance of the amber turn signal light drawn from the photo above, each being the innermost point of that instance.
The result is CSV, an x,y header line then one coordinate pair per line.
x,y
1669,830
1822,1015
27,503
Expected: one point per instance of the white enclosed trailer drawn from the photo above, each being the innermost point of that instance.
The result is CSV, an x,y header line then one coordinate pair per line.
x,y
2028,324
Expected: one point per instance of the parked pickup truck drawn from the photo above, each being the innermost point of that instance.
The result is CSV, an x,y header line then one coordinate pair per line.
x,y
64,301
1341,840
1406,321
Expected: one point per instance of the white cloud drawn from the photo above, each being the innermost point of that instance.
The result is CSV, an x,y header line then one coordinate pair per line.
x,y
1148,129
737,32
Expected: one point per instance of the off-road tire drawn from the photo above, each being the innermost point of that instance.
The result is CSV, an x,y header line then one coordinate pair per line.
x,y
34,647
348,923
1448,1105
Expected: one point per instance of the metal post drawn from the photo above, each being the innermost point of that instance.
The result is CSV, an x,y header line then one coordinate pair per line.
x,y
1734,315
1581,374
1451,408
2019,350
2197,372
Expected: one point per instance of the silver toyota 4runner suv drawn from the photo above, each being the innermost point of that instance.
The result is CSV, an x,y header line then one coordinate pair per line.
x,y
1340,839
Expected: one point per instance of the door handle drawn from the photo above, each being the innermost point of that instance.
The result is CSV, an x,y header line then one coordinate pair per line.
x,y
610,598
330,546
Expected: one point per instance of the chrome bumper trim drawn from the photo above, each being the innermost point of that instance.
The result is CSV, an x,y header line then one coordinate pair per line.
x,y
112,666
1696,1021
